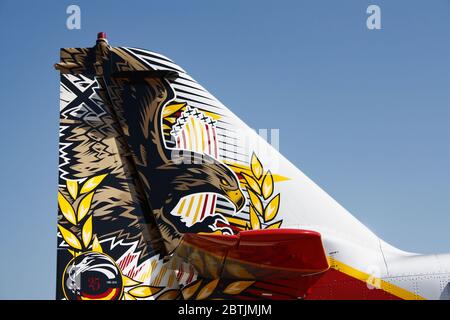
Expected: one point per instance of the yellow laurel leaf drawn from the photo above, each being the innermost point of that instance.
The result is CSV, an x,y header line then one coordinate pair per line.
x,y
96,247
128,282
72,187
267,185
252,183
127,296
66,209
256,166
272,208
254,220
84,206
207,290
143,291
275,225
69,237
189,291
92,183
237,287
86,232
256,202
72,252
169,295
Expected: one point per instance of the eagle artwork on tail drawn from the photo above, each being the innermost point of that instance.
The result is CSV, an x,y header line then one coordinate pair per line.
x,y
138,95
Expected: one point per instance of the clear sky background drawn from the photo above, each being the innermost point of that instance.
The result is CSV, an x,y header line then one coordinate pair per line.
x,y
365,114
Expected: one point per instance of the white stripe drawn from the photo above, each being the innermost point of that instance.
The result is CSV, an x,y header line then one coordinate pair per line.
x,y
194,91
133,49
181,82
169,65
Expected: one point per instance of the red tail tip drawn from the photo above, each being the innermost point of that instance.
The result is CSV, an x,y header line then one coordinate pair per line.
x,y
101,36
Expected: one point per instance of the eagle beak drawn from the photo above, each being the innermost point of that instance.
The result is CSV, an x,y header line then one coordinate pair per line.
x,y
237,198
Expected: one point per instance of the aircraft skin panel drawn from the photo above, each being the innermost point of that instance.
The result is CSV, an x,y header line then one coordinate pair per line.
x,y
148,155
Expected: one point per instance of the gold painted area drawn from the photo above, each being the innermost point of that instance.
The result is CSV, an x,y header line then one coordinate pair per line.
x,y
238,168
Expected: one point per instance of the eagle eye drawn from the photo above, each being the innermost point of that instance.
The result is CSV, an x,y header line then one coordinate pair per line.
x,y
224,182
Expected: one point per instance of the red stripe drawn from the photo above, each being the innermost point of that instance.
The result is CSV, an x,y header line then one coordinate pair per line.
x,y
215,143
209,141
191,275
136,272
180,272
204,207
213,206
125,261
130,258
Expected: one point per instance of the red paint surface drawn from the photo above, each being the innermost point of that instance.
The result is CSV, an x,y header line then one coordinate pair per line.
x,y
335,285
297,264
286,252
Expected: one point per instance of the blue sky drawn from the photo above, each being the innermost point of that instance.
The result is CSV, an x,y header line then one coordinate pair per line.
x,y
365,114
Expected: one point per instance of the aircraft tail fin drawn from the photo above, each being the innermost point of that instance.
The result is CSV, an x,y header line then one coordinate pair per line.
x,y
148,157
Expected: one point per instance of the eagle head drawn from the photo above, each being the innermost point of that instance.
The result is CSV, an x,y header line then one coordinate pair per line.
x,y
210,175
229,186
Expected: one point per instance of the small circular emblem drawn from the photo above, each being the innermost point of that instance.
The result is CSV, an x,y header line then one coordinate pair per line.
x,y
92,276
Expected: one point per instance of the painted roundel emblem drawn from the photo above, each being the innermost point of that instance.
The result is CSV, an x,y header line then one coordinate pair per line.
x,y
92,276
